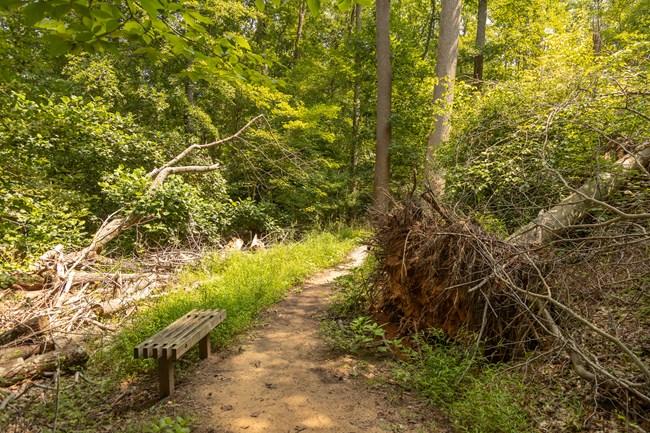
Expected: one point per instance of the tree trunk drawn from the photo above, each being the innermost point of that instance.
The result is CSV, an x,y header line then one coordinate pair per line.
x,y
443,92
301,20
384,91
32,327
431,25
356,113
25,351
480,42
551,224
596,26
70,354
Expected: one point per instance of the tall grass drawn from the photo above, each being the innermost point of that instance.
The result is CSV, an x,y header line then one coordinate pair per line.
x,y
242,284
478,397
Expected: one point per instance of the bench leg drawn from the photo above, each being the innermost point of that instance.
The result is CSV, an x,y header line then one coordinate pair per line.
x,y
204,347
166,377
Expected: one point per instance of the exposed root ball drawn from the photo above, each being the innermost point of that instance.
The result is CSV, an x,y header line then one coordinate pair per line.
x,y
448,273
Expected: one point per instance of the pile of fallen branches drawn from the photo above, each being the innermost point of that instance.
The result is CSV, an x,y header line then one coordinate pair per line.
x,y
42,317
438,270
45,322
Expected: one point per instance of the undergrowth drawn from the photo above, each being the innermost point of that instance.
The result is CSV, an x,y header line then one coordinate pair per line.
x,y
477,396
241,283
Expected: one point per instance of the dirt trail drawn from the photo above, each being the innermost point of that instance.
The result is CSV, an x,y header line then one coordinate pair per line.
x,y
284,379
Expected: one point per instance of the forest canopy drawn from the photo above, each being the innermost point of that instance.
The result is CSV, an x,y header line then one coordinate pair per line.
x,y
94,95
500,148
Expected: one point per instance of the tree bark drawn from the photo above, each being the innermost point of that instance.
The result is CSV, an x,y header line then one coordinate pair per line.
x,y
301,20
443,92
431,25
596,27
356,112
480,42
32,327
551,224
25,351
384,92
68,355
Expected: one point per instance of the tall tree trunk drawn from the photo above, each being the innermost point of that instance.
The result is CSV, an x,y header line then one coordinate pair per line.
x,y
189,96
596,36
443,92
356,113
384,91
480,42
301,21
431,25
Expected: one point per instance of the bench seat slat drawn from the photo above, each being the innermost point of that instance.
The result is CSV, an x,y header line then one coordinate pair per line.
x,y
201,325
185,342
190,325
162,342
145,349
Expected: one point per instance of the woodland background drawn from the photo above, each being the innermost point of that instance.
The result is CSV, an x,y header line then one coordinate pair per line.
x,y
96,96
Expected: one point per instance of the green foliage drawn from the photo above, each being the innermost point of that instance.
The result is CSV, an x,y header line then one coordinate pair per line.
x,y
358,335
478,397
249,216
177,209
168,425
353,292
512,141
185,28
242,284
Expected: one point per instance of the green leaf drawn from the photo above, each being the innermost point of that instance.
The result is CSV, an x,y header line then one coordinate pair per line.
x,y
133,28
242,42
259,4
152,53
276,3
344,5
112,25
83,36
365,3
314,6
151,7
100,14
59,47
34,12
200,18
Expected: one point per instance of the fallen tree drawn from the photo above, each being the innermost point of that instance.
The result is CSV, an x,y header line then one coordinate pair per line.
x,y
68,354
550,224
436,269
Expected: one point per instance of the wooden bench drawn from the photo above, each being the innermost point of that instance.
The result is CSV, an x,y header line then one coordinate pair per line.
x,y
172,342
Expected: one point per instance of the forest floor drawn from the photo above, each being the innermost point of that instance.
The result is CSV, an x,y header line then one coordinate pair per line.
x,y
283,378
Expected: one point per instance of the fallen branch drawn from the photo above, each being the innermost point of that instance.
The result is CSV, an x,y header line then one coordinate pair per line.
x,y
68,355
549,225
32,327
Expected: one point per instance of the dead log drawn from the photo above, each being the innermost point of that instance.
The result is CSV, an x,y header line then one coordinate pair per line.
x,y
113,306
68,355
32,327
24,351
549,225
19,285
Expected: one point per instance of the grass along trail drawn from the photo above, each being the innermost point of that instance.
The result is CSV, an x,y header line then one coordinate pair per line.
x,y
284,379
